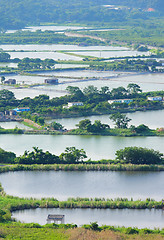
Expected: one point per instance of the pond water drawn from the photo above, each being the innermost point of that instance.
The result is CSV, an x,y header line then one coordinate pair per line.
x,y
64,56
83,73
33,92
12,125
63,66
153,119
91,184
96,147
13,65
48,28
57,47
113,217
43,55
109,54
147,82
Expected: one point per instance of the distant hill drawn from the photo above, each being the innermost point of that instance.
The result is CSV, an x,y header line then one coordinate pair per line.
x,y
19,13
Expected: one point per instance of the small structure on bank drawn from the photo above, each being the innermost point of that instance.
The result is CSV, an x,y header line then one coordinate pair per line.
x,y
71,104
55,218
10,81
156,98
52,81
22,109
127,101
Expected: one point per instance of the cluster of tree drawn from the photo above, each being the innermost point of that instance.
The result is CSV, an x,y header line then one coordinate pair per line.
x,y
120,120
129,65
72,155
96,127
37,63
6,157
56,126
141,129
46,37
139,155
4,57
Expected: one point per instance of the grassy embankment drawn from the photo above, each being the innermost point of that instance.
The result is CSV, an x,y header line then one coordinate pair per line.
x,y
38,130
100,165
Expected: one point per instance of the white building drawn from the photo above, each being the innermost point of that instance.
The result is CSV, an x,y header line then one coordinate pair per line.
x,y
156,98
120,101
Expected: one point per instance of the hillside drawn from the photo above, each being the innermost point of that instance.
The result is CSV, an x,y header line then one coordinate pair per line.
x,y
20,13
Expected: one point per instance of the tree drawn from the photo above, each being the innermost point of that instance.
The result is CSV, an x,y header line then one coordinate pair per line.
x,y
139,155
133,88
120,120
119,92
4,57
84,124
104,90
90,90
75,91
72,155
57,126
37,156
6,95
2,79
6,157
98,126
142,128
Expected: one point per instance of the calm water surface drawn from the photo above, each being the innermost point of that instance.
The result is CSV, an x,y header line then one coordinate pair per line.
x,y
118,217
147,82
96,147
11,125
153,119
109,54
62,185
43,55
48,28
56,47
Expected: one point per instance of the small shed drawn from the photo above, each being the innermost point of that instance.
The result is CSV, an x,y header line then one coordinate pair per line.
x,y
53,81
55,218
10,81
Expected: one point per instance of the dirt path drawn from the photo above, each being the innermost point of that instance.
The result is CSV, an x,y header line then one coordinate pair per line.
x,y
83,35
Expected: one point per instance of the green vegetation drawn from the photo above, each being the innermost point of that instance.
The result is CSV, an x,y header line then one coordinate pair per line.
x,y
69,231
47,37
6,157
96,127
72,155
95,102
139,155
16,130
4,57
120,120
37,156
101,165
136,65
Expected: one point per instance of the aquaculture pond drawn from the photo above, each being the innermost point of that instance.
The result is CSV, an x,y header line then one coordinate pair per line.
x,y
91,184
114,217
